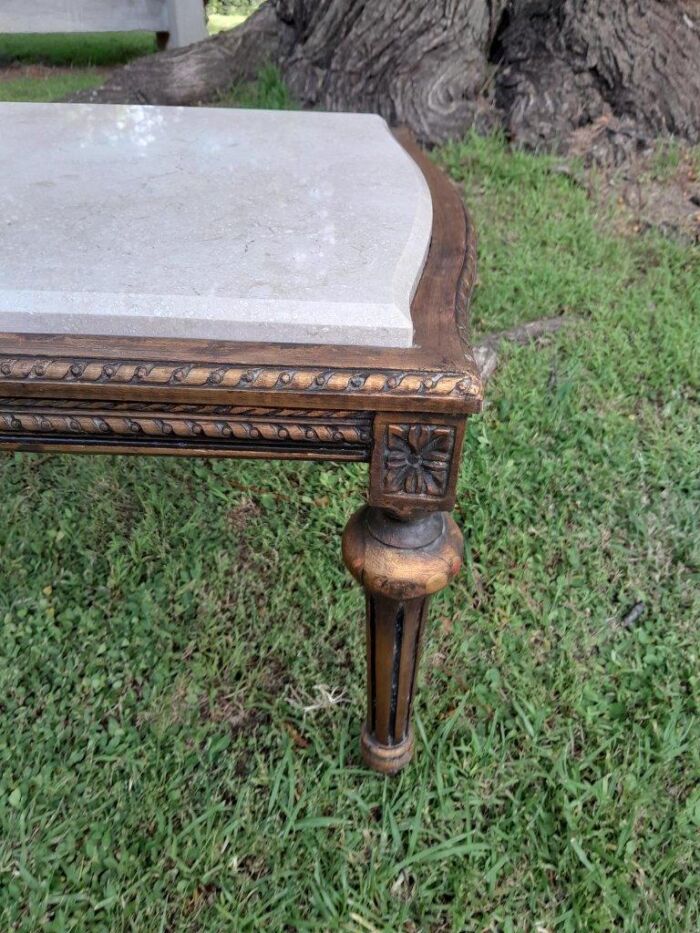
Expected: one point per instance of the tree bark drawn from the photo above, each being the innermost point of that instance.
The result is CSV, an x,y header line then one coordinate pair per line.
x,y
420,64
566,64
541,68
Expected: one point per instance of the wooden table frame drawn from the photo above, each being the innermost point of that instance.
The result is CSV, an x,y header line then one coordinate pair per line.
x,y
402,410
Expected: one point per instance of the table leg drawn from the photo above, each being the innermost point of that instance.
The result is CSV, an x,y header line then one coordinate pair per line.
x,y
400,563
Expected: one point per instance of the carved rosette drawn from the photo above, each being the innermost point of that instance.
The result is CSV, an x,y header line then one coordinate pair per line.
x,y
417,459
415,463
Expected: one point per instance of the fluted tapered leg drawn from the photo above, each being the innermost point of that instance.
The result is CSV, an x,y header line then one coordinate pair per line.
x,y
400,564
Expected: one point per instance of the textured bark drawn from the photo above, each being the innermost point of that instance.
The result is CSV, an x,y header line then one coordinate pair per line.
x,y
420,64
544,68
566,64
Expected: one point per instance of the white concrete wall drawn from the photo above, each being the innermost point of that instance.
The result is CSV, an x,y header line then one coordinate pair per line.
x,y
183,19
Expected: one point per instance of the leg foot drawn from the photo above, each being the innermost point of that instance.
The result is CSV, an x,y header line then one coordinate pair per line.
x,y
400,564
387,759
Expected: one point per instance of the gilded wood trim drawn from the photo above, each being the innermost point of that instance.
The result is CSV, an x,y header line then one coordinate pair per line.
x,y
220,428
312,380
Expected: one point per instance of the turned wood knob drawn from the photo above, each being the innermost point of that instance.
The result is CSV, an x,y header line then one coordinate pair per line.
x,y
402,559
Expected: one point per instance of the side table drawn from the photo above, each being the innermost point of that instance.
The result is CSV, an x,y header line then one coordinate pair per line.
x,y
246,284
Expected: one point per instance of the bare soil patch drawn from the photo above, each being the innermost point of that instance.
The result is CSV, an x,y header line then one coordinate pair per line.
x,y
654,184
13,70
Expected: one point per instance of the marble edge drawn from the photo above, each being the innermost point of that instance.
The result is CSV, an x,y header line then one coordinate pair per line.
x,y
197,111
415,253
33,314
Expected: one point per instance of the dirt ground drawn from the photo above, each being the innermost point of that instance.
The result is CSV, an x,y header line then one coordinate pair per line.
x,y
653,183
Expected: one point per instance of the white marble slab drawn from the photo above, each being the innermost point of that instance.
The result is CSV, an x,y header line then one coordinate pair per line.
x,y
208,223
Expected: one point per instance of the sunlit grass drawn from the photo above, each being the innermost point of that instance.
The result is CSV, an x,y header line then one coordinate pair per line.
x,y
75,50
219,22
57,87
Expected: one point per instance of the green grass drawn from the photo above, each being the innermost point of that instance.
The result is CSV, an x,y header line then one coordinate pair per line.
x,y
669,156
666,159
84,53
55,88
76,50
75,57
240,8
164,621
267,93
219,22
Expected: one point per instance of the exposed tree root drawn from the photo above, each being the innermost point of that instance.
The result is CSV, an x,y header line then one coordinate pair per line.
x,y
486,351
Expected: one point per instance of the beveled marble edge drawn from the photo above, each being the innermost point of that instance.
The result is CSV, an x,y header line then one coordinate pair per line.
x,y
35,313
414,256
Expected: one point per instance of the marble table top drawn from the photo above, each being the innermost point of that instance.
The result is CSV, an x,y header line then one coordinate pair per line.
x,y
208,223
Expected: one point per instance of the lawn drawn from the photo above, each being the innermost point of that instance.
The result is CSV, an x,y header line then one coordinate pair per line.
x,y
50,67
36,67
168,627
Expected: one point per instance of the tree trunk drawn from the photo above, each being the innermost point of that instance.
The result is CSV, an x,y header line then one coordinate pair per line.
x,y
542,68
566,64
